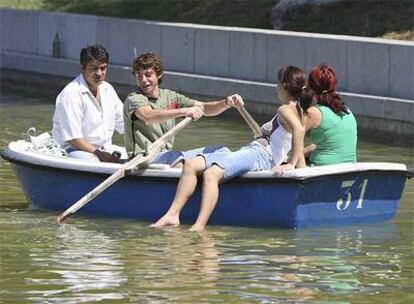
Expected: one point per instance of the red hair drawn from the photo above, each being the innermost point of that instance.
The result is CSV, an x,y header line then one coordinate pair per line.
x,y
322,80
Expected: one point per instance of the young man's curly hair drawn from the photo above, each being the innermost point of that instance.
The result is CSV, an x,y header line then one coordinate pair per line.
x,y
148,61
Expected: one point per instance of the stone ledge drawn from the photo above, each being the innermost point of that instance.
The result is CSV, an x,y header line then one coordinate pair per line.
x,y
385,108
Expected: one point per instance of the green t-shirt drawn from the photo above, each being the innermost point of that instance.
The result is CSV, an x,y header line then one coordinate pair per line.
x,y
138,135
335,138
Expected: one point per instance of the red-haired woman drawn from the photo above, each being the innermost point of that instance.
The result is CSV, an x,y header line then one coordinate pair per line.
x,y
333,128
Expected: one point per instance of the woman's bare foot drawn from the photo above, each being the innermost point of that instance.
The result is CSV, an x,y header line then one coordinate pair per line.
x,y
167,220
196,227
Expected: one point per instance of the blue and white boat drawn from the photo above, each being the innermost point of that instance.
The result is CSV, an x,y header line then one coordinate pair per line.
x,y
342,194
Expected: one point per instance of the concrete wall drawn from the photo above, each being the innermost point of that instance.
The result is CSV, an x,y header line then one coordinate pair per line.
x,y
376,76
364,65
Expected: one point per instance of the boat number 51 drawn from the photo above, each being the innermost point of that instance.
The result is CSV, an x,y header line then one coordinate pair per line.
x,y
341,204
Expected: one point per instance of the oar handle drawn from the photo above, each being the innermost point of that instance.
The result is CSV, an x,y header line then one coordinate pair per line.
x,y
254,126
120,173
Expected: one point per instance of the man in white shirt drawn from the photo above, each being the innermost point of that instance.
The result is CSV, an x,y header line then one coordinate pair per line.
x,y
88,111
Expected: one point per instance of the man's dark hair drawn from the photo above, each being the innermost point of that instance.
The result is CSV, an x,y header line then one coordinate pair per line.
x,y
93,52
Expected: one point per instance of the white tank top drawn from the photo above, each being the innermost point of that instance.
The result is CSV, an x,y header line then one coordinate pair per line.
x,y
276,140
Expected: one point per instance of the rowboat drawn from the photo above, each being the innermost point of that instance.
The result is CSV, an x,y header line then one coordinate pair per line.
x,y
343,194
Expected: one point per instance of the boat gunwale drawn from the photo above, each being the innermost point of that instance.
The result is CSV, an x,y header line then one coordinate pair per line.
x,y
174,173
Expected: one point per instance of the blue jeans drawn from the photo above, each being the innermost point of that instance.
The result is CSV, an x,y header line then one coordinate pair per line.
x,y
249,158
173,157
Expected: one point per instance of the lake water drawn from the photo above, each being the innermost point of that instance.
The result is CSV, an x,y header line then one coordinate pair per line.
x,y
87,260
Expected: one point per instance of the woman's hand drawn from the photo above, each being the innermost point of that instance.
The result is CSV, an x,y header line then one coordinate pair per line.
x,y
278,170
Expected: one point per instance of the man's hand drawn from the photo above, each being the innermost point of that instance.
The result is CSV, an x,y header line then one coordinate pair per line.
x,y
106,157
278,170
195,112
235,101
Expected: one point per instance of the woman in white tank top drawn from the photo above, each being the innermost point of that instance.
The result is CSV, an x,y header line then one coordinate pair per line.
x,y
283,133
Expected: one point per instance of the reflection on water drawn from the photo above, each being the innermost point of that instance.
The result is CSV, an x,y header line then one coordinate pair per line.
x,y
90,260
83,262
173,265
59,263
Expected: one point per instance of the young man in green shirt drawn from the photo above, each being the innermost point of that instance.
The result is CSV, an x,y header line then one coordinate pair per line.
x,y
151,111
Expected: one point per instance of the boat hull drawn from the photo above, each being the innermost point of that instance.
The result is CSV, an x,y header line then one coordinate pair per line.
x,y
322,200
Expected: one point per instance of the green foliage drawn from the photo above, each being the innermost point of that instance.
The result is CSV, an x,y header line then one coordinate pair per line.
x,y
22,4
374,18
218,12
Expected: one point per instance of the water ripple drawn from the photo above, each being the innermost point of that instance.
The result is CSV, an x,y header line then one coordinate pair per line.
x,y
87,260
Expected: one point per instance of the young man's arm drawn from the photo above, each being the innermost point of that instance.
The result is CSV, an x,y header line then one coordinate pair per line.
x,y
214,108
149,115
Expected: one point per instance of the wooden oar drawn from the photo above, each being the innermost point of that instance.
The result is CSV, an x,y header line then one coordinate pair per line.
x,y
120,173
250,121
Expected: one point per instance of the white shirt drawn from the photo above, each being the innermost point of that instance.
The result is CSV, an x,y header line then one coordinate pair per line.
x,y
78,114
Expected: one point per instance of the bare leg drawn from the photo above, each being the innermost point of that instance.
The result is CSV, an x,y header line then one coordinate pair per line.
x,y
186,187
211,179
179,165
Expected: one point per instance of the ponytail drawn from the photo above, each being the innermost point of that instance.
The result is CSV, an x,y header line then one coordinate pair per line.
x,y
305,98
322,80
294,81
304,101
333,101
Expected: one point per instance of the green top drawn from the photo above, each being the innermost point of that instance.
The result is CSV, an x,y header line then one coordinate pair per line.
x,y
138,135
335,138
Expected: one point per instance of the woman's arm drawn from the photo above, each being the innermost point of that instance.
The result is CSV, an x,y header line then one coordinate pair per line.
x,y
309,149
290,120
301,161
295,126
313,117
